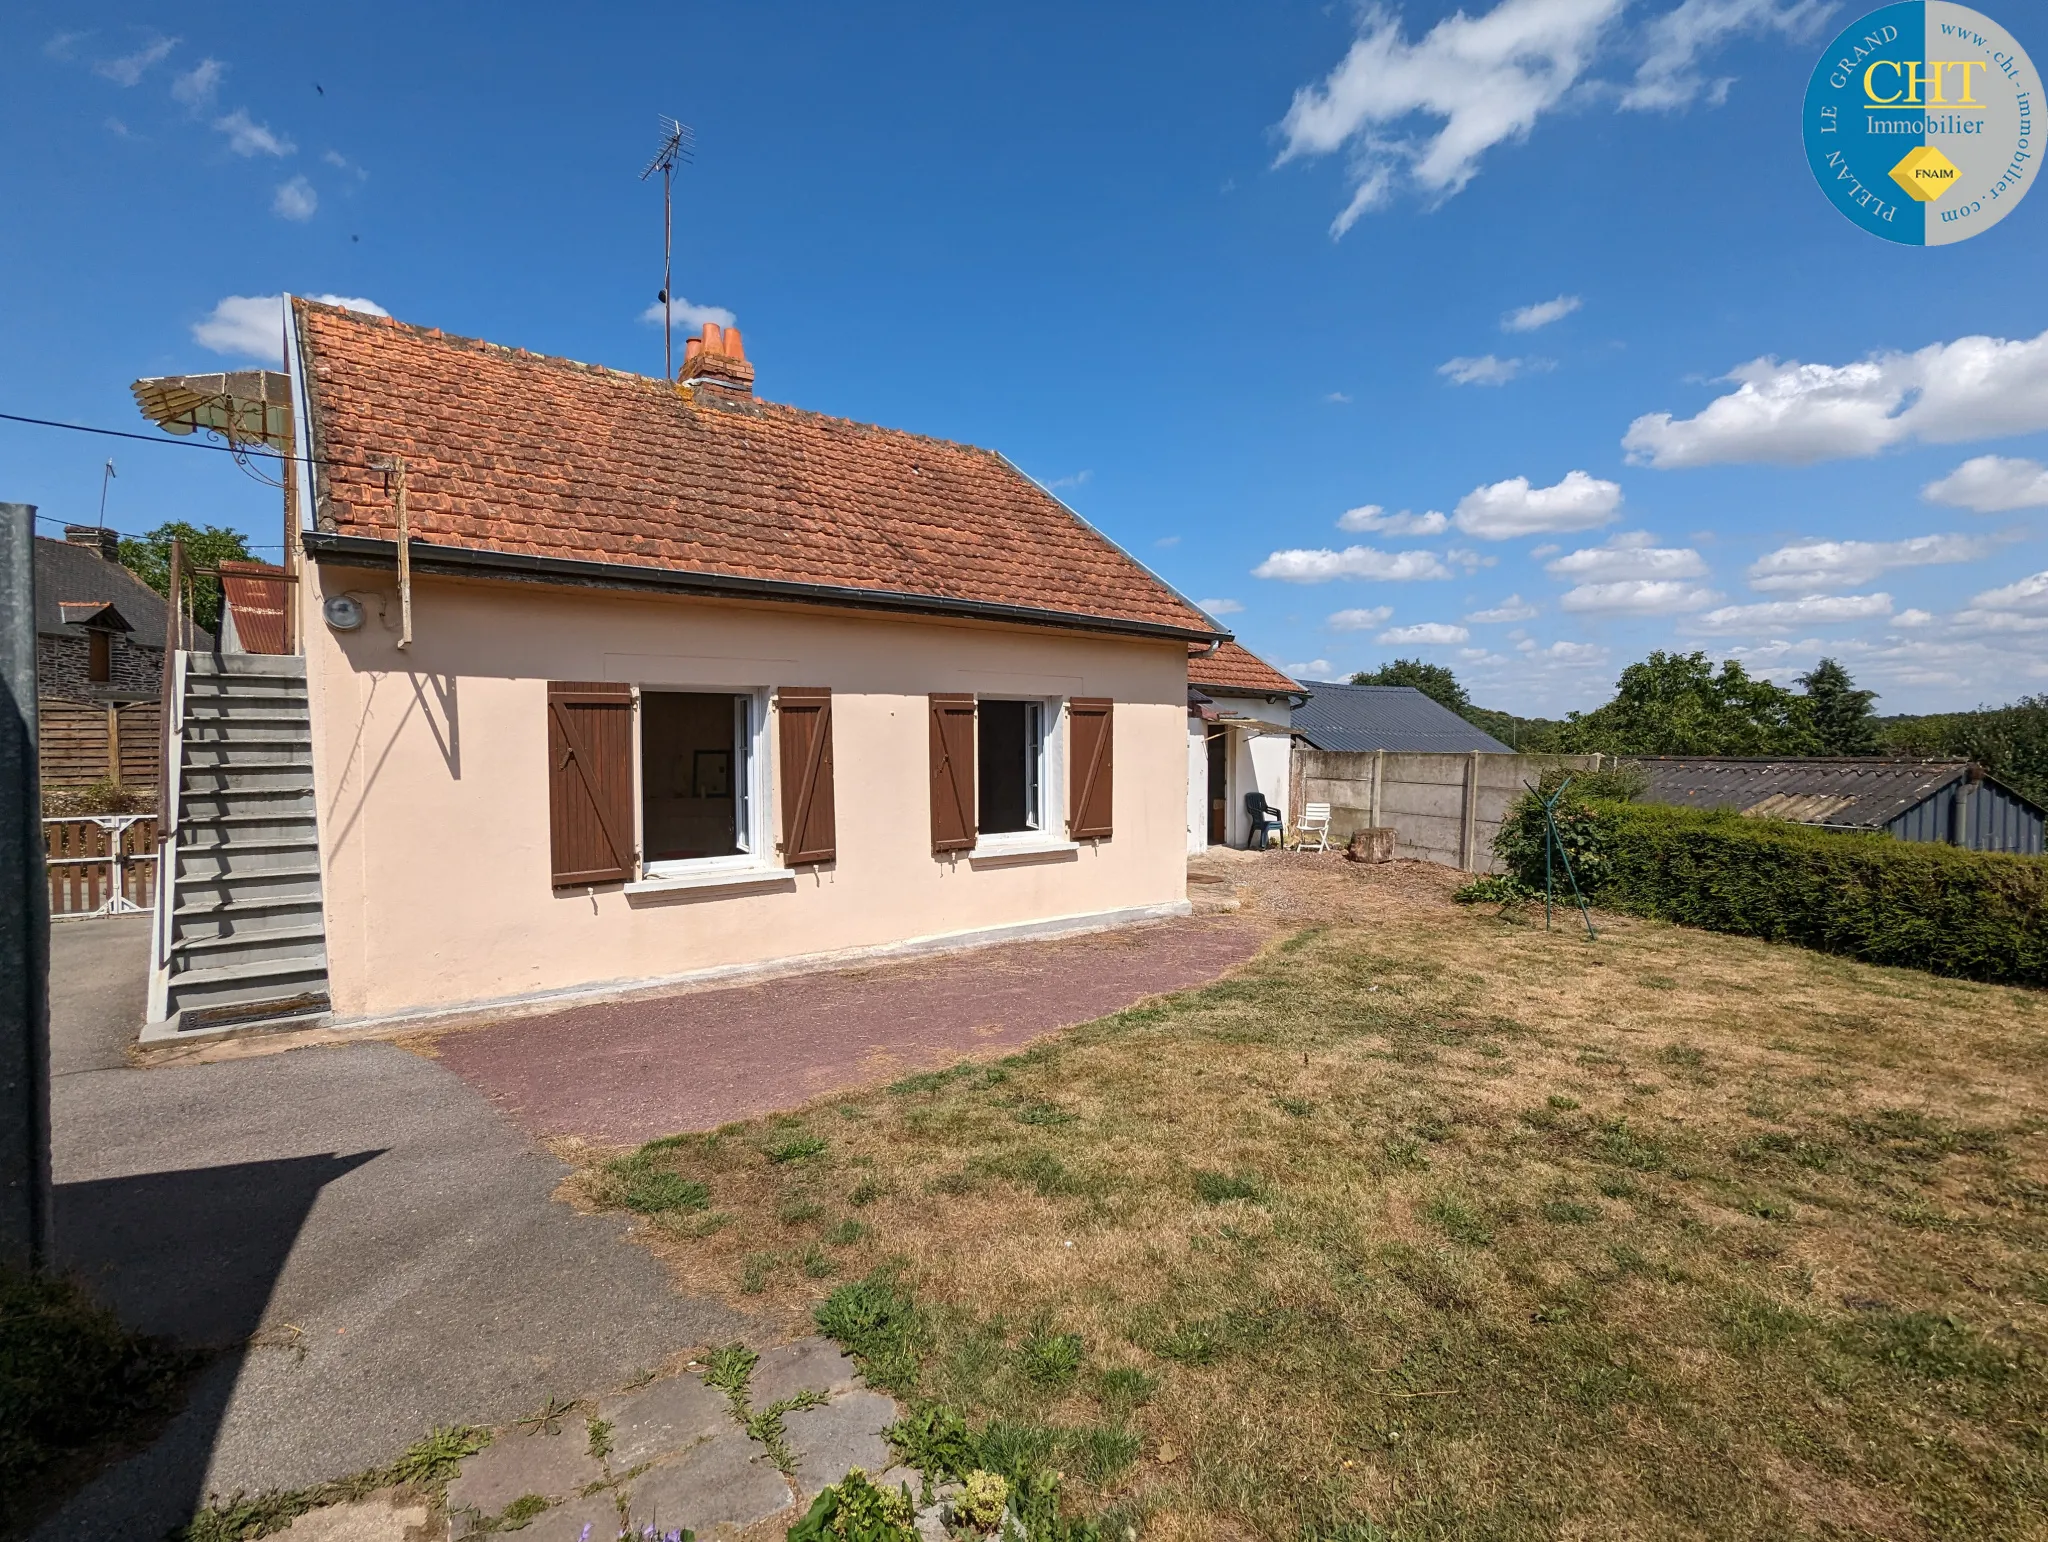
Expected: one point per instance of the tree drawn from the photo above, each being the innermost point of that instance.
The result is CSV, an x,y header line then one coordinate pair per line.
x,y
149,559
1839,713
1678,704
1433,680
2010,742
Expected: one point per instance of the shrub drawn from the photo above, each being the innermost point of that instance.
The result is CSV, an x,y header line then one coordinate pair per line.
x,y
1978,915
857,1510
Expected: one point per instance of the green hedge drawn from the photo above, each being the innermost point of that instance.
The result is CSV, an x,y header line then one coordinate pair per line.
x,y
1979,915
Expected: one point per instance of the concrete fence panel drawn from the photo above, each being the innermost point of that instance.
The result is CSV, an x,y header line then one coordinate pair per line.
x,y
1441,808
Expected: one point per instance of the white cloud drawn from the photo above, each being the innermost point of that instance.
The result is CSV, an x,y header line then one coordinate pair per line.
x,y
1992,484
248,137
1432,634
1167,542
1484,81
1372,517
1631,554
1080,478
1311,669
1528,318
1669,76
129,69
1359,620
1563,652
1221,607
251,326
1913,618
1488,370
1318,566
1470,560
295,200
2029,595
63,45
1504,510
1795,414
1513,608
688,317
1638,597
1812,566
1336,396
197,87
1810,610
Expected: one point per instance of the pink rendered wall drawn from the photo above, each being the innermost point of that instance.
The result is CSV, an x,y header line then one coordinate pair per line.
x,y
431,779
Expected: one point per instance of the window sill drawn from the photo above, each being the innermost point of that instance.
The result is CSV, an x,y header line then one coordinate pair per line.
x,y
1037,850
727,878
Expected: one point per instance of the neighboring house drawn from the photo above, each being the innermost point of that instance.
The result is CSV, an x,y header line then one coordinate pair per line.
x,y
1951,801
1240,740
1357,719
681,683
99,663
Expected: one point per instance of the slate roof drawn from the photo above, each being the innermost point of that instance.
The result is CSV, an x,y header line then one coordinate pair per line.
x,y
509,451
77,576
1845,793
1358,718
1235,670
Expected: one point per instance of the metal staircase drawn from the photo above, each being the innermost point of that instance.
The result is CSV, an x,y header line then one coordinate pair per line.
x,y
240,937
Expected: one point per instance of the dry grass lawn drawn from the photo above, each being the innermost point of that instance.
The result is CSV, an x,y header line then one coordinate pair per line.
x,y
1427,1224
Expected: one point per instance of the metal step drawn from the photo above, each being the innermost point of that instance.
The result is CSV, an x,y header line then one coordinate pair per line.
x,y
247,718
244,666
205,894
244,917
206,831
248,985
198,862
248,749
248,776
280,945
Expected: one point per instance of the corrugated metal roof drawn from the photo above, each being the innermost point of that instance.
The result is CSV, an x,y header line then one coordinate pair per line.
x,y
1846,793
1356,718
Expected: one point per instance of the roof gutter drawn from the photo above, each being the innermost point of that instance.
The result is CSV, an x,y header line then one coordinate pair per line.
x,y
470,562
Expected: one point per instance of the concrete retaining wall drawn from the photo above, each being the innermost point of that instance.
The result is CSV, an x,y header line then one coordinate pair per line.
x,y
1442,808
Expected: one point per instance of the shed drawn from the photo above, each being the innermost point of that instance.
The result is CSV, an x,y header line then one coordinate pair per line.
x,y
1240,716
1951,801
1358,719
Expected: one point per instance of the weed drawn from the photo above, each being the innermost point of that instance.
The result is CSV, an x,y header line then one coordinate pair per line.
x,y
1402,1152
1614,1186
600,1439
857,1510
1568,1212
1457,1220
1043,1114
241,1518
1689,1057
1216,1188
521,1513
934,1440
547,1419
755,1270
1100,1452
1752,1322
876,1321
866,1192
847,1233
818,1264
1125,1389
1049,1360
1625,1148
1189,1343
1931,1346
729,1368
1043,1171
1561,1102
1300,1108
653,1193
766,1427
795,1148
798,1209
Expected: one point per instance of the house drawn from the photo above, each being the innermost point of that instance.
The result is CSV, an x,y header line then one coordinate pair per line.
x,y
664,682
1240,740
99,663
1951,801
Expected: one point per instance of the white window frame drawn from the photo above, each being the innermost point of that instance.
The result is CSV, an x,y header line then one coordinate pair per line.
x,y
753,814
1049,832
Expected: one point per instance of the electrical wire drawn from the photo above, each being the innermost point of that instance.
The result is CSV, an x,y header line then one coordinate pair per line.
x,y
237,448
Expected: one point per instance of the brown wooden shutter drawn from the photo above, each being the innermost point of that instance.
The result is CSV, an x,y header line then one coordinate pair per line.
x,y
804,733
952,772
1091,752
590,781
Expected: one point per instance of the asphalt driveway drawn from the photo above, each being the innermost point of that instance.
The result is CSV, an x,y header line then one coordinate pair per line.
x,y
370,1247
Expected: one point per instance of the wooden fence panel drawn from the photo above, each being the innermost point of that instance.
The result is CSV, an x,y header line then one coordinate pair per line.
x,y
75,751
83,870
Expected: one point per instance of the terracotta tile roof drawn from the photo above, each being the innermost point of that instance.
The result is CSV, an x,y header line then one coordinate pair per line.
x,y
509,451
1236,668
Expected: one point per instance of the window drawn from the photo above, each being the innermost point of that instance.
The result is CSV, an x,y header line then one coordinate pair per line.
x,y
1010,761
698,759
99,657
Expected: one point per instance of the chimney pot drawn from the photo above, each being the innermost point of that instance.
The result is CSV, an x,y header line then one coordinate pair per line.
x,y
691,348
733,348
714,337
106,542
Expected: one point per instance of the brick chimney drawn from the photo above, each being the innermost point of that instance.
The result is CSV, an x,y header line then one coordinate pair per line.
x,y
106,542
717,359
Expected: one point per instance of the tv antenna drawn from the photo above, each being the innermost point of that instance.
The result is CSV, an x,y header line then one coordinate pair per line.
x,y
678,140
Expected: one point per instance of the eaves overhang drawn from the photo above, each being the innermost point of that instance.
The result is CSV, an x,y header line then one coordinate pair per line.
x,y
327,547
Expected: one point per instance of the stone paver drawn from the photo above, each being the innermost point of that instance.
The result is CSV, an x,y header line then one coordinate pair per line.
x,y
846,1432
565,1523
663,1418
379,1518
556,1467
726,1481
627,1071
808,1365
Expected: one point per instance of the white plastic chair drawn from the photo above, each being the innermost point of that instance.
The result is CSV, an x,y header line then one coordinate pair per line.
x,y
1314,826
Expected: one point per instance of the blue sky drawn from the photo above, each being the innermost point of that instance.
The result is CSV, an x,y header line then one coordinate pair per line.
x,y
1245,285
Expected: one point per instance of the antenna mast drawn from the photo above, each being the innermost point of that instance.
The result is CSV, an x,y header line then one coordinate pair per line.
x,y
678,141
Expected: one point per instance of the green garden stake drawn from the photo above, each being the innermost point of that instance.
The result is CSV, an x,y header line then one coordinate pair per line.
x,y
1553,839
